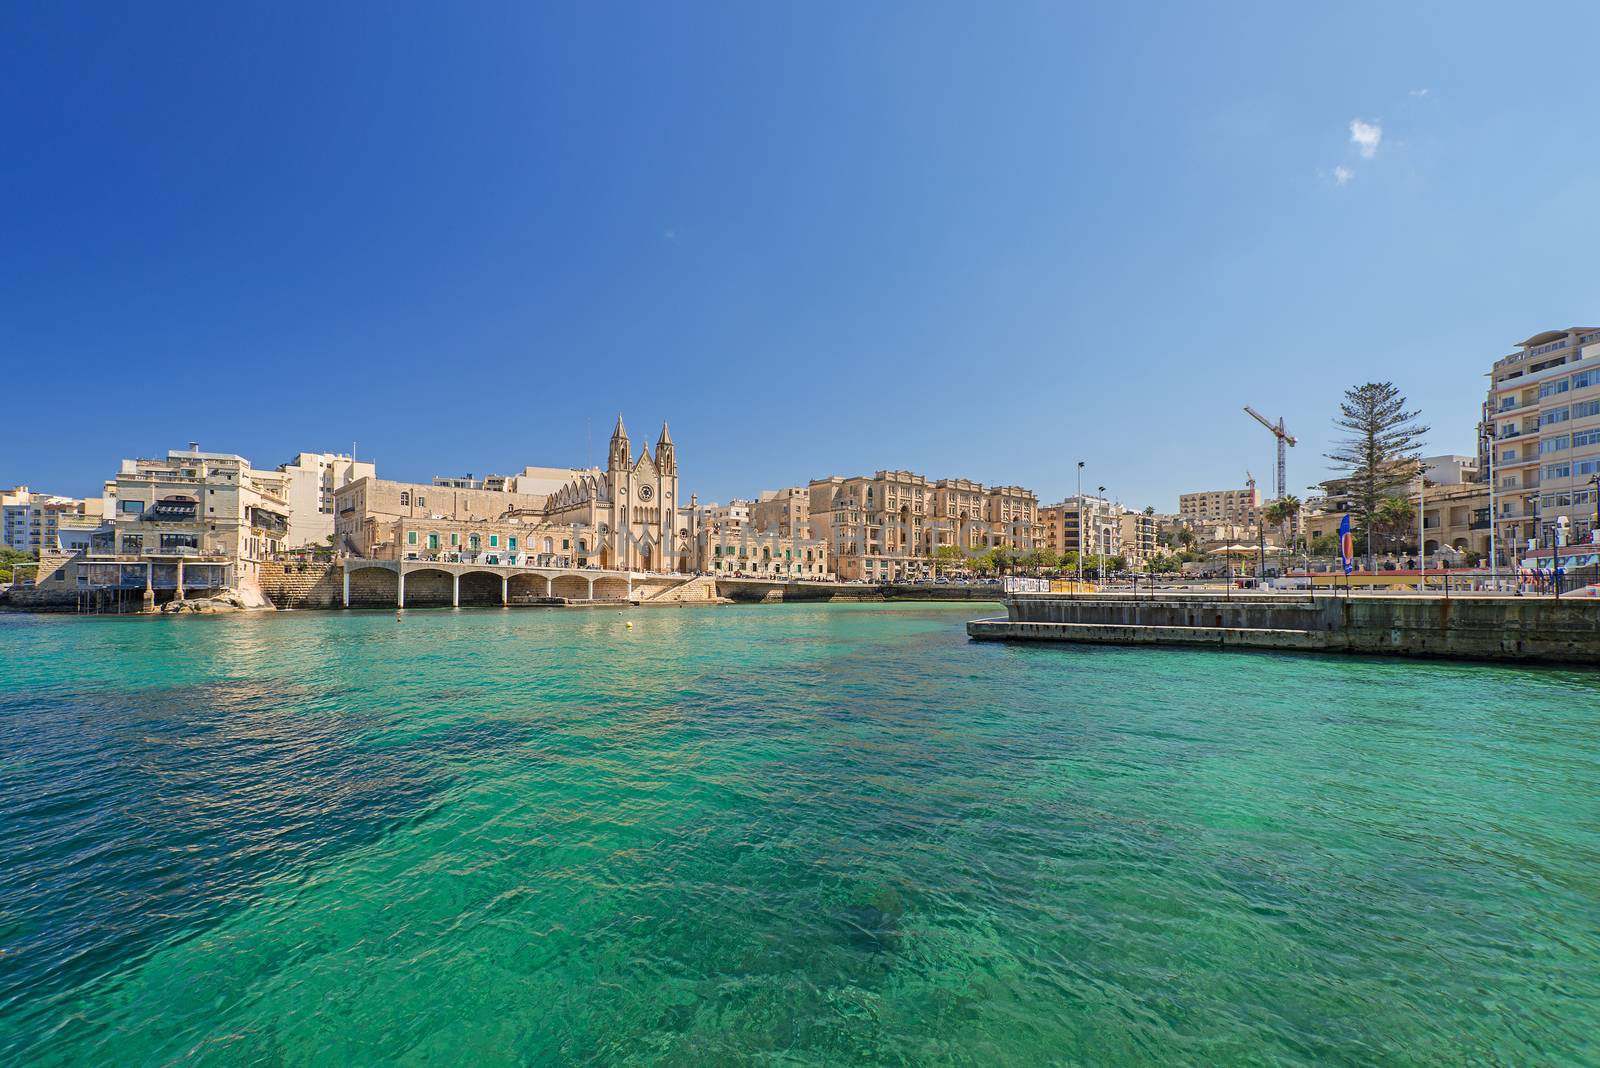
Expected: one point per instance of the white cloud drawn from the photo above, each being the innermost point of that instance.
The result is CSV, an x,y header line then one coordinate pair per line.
x,y
1419,92
1342,175
1365,136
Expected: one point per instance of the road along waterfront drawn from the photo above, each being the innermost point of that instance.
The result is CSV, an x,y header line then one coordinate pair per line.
x,y
827,833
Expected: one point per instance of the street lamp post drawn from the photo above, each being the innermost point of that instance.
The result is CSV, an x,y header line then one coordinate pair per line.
x,y
1494,562
1080,525
1422,532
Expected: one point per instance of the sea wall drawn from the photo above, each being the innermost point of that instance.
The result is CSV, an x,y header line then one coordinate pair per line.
x,y
769,592
313,584
1477,628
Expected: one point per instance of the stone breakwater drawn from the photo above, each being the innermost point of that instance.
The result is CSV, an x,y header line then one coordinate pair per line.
x,y
1471,628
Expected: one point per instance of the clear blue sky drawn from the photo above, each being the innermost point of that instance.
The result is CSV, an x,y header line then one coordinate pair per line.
x,y
984,241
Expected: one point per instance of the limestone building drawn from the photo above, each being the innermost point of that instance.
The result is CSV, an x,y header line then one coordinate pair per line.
x,y
312,480
890,526
747,553
786,512
622,517
1238,507
1137,536
191,521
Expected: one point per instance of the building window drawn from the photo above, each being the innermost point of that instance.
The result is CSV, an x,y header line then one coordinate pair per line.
x,y
405,498
455,538
433,540
494,541
411,537
511,543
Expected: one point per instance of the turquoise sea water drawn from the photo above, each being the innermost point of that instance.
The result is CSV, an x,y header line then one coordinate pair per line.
x,y
781,835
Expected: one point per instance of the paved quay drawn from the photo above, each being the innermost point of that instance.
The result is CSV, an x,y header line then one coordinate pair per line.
x,y
1477,627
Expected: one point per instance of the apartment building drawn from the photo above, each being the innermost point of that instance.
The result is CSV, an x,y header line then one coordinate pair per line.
x,y
1137,536
960,509
735,515
876,527
1241,507
786,512
1541,426
890,526
32,522
1013,516
744,552
1096,529
313,480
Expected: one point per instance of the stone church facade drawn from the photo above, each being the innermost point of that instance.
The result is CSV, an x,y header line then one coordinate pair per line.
x,y
631,506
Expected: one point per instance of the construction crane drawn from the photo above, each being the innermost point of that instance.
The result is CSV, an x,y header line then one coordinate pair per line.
x,y
1284,438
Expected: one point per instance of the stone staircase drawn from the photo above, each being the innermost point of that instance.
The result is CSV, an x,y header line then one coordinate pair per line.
x,y
702,589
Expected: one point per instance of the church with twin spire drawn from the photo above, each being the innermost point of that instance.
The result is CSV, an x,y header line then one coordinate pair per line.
x,y
631,507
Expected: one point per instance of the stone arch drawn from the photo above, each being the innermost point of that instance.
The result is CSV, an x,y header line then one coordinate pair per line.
x,y
528,588
572,587
611,588
1430,546
374,586
428,586
480,588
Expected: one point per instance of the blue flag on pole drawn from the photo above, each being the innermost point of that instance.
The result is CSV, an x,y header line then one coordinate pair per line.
x,y
1346,545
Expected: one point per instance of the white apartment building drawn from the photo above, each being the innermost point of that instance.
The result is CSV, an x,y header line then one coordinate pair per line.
x,y
1450,470
1542,439
32,522
313,479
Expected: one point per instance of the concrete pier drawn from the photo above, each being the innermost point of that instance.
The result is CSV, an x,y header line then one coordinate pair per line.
x,y
1471,628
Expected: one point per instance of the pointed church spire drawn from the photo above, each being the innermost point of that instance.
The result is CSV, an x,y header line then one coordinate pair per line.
x,y
666,455
621,454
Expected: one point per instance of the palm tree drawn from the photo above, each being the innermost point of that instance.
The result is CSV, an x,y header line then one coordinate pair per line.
x,y
1395,516
1281,513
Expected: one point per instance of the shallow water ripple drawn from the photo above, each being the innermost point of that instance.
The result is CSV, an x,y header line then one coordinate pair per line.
x,y
800,834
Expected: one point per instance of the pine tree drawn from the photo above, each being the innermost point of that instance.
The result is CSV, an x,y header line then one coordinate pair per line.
x,y
1379,451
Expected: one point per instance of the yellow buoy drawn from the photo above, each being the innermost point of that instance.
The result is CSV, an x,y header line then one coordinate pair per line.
x,y
630,624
